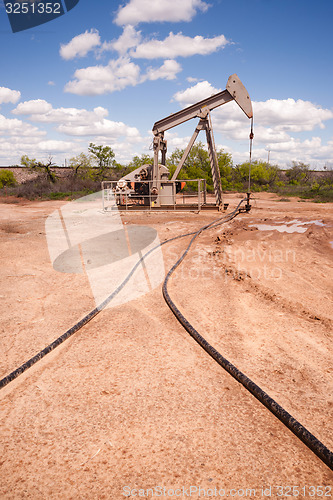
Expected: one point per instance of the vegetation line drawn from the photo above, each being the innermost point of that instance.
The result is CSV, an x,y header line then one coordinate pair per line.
x,y
88,170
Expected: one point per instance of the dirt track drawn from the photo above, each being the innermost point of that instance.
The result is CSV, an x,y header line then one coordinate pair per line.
x,y
131,400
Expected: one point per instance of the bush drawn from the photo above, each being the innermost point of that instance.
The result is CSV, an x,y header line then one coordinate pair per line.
x,y
7,178
280,184
62,188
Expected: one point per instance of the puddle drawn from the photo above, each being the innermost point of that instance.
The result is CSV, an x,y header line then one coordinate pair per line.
x,y
294,226
282,228
299,223
331,242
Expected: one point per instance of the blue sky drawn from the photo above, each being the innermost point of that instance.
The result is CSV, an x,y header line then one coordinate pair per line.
x,y
107,70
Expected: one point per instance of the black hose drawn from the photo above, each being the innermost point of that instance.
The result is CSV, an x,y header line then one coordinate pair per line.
x,y
298,429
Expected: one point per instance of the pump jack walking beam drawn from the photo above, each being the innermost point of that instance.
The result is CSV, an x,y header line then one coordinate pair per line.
x,y
235,91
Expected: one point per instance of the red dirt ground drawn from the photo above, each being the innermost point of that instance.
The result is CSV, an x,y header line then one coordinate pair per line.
x,y
131,400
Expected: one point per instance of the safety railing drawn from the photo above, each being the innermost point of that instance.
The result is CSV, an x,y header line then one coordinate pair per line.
x,y
175,194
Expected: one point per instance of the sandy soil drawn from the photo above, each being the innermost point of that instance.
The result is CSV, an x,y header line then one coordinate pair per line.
x,y
131,402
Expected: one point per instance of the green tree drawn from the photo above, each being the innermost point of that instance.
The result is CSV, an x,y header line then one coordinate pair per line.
x,y
138,161
103,158
226,168
7,178
263,175
323,180
299,173
40,166
82,163
196,166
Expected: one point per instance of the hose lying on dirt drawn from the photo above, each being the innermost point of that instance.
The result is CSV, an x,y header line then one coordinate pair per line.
x,y
298,429
301,432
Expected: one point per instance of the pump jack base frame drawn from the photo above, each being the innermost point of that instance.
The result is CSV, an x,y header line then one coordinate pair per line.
x,y
181,207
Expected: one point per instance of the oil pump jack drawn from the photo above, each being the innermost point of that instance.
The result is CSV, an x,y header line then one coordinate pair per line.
x,y
151,182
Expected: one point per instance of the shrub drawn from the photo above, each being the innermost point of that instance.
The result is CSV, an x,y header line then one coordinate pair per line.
x,y
7,178
62,188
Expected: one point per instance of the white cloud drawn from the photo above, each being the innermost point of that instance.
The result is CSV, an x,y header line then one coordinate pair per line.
x,y
174,141
179,45
98,80
196,93
266,135
273,130
104,128
77,122
42,111
18,138
80,126
15,127
80,45
311,151
167,71
296,145
35,106
274,119
291,115
8,95
53,146
11,149
138,11
128,39
118,74
123,72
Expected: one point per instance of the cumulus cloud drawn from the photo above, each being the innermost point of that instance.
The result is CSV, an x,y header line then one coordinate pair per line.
x,y
123,72
8,95
291,115
146,11
179,45
12,148
274,121
174,141
118,74
18,138
98,80
266,135
15,127
167,71
42,111
80,45
34,106
128,39
77,122
196,93
103,128
55,146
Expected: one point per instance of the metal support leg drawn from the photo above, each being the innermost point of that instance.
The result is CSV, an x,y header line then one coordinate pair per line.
x,y
213,162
